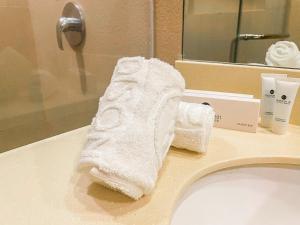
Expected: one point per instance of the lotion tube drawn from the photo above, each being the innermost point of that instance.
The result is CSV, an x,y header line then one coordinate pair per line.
x,y
286,91
268,97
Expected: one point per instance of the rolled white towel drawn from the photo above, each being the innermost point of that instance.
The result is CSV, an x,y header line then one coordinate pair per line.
x,y
134,126
193,126
283,54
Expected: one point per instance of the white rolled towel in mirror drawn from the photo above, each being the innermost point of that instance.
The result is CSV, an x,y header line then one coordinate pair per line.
x,y
283,54
193,126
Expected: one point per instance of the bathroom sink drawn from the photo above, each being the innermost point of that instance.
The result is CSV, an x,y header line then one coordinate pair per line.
x,y
242,196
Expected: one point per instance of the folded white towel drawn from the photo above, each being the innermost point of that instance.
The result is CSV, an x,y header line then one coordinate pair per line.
x,y
283,54
193,126
134,126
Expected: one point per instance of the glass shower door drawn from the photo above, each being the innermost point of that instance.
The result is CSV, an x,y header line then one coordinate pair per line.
x,y
45,91
209,28
262,22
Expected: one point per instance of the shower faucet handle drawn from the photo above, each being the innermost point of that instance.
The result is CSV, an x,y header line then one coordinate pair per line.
x,y
67,25
72,25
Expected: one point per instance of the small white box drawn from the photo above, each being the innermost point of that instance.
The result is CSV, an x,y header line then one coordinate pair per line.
x,y
232,112
191,91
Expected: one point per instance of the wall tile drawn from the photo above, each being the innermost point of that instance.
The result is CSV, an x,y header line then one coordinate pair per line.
x,y
168,29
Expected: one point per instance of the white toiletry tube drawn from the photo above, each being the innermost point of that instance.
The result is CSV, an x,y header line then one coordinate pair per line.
x,y
268,97
286,91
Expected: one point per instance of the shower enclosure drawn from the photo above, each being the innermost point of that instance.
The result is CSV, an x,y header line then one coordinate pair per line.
x,y
256,31
236,30
44,90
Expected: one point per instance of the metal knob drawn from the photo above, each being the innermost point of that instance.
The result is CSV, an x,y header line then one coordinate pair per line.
x,y
72,24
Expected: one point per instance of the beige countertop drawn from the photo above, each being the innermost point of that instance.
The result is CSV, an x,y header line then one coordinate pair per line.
x,y
40,183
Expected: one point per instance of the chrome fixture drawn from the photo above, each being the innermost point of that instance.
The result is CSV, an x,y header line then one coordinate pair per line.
x,y
247,37
72,24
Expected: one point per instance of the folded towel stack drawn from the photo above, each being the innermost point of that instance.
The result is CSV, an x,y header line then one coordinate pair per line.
x,y
193,126
283,54
134,126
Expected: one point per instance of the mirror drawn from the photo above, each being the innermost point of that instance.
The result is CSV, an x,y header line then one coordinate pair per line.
x,y
252,32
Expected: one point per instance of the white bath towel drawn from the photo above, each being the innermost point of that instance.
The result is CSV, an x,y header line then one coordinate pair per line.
x,y
283,54
193,126
134,126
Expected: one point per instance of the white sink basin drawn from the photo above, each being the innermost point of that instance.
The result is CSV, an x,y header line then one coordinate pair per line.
x,y
243,196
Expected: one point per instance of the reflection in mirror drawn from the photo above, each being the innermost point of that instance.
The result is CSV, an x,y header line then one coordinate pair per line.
x,y
259,32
